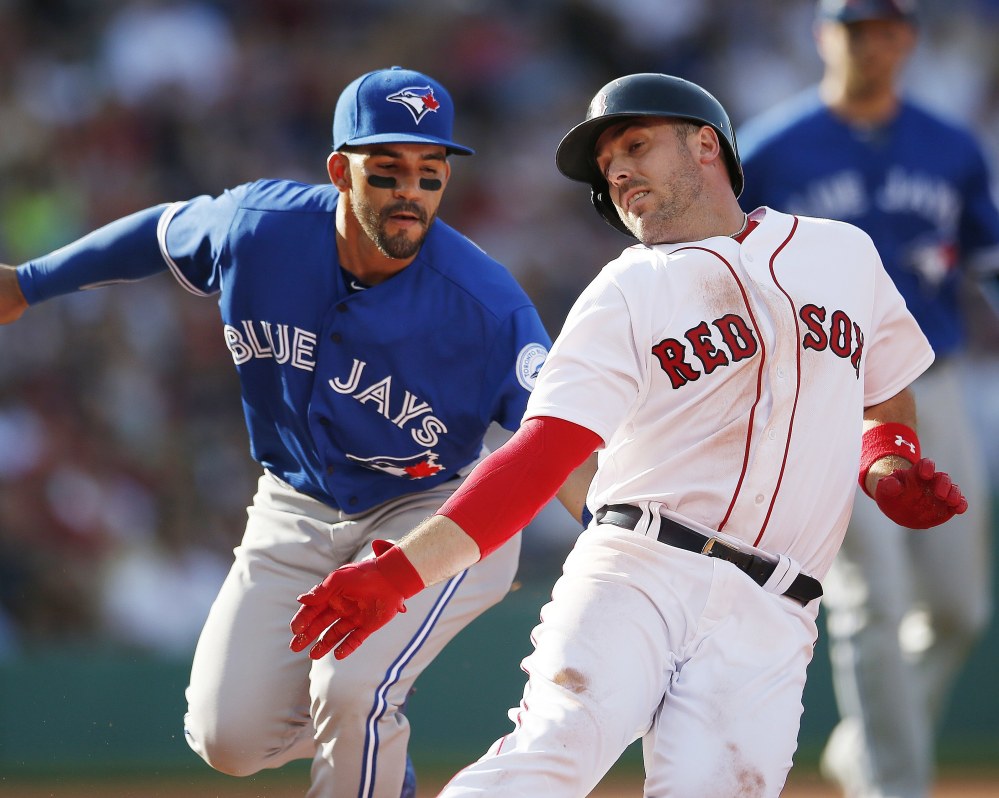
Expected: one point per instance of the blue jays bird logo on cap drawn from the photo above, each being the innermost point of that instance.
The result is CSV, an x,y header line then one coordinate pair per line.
x,y
367,111
419,100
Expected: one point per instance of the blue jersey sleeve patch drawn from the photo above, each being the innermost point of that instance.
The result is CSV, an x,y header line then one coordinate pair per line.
x,y
529,362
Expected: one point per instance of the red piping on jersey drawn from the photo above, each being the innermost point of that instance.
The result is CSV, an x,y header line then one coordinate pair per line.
x,y
797,385
751,224
759,379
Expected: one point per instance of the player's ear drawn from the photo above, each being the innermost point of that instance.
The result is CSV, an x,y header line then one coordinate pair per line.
x,y
338,168
708,145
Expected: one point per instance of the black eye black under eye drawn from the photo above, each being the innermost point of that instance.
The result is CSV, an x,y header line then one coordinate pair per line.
x,y
426,183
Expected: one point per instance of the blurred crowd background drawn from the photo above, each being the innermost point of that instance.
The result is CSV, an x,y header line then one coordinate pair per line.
x,y
124,472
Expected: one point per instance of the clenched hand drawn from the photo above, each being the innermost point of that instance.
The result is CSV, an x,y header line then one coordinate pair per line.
x,y
919,497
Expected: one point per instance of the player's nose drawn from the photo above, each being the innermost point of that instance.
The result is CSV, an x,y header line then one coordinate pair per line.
x,y
618,171
407,186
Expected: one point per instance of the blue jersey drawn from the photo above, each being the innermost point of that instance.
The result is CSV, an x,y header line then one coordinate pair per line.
x,y
353,397
919,186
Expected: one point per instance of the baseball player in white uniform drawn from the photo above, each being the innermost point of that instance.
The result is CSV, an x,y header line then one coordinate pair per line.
x,y
732,372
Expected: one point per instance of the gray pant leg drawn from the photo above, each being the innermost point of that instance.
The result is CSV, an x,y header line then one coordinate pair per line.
x,y
356,702
248,703
904,608
951,606
867,592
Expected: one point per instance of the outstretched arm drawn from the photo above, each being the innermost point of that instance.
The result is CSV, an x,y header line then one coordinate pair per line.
x,y
906,486
12,301
572,494
499,498
121,251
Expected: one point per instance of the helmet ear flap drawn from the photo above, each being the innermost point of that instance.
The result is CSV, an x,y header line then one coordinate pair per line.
x,y
601,201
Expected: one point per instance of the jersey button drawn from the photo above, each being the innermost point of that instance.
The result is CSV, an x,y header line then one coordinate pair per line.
x,y
336,338
324,421
352,501
342,307
759,498
330,469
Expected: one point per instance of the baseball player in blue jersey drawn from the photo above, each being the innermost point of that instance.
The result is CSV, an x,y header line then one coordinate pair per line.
x,y
904,608
375,346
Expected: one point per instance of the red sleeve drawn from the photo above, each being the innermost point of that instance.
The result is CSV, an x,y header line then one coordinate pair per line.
x,y
507,489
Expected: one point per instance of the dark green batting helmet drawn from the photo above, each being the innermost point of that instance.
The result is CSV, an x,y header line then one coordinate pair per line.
x,y
642,94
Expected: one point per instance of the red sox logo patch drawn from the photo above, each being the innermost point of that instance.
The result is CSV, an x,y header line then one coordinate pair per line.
x,y
416,466
419,100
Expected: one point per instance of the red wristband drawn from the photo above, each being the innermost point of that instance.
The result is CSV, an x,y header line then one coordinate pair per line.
x,y
396,567
884,440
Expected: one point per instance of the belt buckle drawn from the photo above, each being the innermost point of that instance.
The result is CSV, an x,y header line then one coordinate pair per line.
x,y
708,549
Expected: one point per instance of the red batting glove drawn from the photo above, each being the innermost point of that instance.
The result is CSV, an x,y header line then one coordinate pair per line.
x,y
919,497
354,601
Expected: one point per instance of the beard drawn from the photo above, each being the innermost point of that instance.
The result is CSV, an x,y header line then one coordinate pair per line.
x,y
375,225
660,224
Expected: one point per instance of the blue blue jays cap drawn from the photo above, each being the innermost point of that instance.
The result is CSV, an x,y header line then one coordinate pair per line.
x,y
847,11
395,106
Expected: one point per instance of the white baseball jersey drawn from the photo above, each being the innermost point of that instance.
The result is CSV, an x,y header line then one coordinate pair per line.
x,y
679,357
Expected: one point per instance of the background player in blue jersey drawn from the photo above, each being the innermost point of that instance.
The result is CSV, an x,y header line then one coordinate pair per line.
x,y
904,608
375,346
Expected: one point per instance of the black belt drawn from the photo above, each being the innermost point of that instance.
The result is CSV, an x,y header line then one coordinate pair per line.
x,y
803,589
